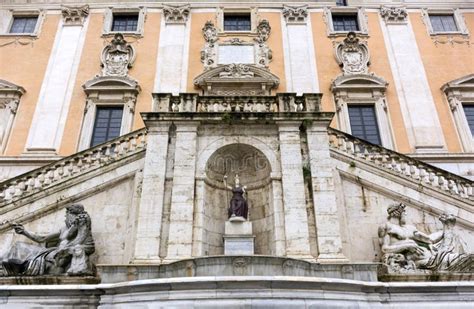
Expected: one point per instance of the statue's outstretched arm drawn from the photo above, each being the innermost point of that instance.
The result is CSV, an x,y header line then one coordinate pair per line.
x,y
20,229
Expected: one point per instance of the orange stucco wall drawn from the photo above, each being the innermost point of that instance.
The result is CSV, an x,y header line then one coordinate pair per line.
x,y
444,63
197,42
143,70
328,69
25,65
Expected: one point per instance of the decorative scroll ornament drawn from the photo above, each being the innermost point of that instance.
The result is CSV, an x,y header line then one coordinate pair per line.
x,y
264,53
236,71
353,55
208,53
393,14
117,57
295,14
176,14
74,16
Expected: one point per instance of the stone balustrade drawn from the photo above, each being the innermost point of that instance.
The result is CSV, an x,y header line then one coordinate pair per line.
x,y
191,102
405,166
74,165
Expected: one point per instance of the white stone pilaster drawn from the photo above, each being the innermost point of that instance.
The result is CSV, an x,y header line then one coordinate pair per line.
x,y
172,62
294,202
278,217
55,95
198,229
150,210
328,229
180,239
416,101
300,60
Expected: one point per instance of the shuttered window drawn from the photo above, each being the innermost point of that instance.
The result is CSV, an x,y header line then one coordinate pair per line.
x,y
125,22
469,111
108,121
443,23
24,24
237,22
345,22
364,123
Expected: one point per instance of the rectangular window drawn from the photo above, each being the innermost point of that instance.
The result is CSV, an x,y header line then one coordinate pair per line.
x,y
24,24
125,22
364,123
237,22
107,125
469,112
345,22
443,23
341,2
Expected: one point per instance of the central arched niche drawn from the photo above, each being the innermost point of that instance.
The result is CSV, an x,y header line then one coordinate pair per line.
x,y
254,170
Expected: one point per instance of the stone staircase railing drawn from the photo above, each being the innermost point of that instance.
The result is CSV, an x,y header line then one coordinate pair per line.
x,y
405,166
66,168
192,102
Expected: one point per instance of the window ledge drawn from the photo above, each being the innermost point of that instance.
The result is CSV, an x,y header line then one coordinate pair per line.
x,y
23,35
132,34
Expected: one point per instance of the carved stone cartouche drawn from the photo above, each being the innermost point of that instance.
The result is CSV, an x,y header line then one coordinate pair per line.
x,y
353,55
117,57
66,252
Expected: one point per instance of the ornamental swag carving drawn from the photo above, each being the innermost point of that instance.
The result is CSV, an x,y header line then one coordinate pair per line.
x,y
208,53
353,55
117,57
264,53
394,14
176,14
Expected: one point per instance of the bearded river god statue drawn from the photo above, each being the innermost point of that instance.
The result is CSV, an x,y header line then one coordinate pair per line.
x,y
408,250
66,252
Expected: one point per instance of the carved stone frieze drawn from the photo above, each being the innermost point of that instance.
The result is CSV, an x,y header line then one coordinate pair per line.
x,y
236,71
176,14
74,16
117,57
209,52
353,55
295,14
394,14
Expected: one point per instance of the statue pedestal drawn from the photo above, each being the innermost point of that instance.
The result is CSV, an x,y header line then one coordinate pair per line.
x,y
238,237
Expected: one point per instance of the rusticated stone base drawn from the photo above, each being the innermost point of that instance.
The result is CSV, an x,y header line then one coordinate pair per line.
x,y
44,280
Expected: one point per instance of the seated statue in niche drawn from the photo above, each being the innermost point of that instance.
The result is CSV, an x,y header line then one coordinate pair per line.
x,y
66,252
406,249
238,204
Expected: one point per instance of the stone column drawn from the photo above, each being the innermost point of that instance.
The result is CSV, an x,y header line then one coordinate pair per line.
x,y
150,211
324,198
294,202
180,240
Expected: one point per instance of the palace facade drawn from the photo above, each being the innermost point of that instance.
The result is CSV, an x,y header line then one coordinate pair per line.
x,y
330,112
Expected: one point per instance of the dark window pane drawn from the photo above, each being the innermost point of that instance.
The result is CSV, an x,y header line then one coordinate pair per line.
x,y
469,111
345,22
108,121
341,2
237,22
443,23
125,23
23,24
364,123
